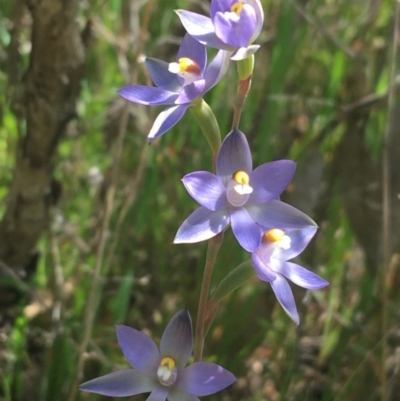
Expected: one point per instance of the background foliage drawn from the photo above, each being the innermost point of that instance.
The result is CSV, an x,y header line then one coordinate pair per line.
x,y
319,97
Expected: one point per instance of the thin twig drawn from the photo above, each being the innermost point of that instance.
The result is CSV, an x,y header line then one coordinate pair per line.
x,y
386,193
93,298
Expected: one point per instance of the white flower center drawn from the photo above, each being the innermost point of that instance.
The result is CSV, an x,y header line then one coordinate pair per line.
x,y
167,371
238,189
279,239
186,68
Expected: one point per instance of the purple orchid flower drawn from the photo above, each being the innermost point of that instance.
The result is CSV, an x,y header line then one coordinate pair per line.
x,y
240,196
233,26
163,372
270,263
179,84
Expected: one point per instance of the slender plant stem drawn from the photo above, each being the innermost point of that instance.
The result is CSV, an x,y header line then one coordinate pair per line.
x,y
386,193
214,245
241,94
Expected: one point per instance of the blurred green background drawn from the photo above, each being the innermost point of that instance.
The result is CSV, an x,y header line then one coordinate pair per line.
x,y
319,97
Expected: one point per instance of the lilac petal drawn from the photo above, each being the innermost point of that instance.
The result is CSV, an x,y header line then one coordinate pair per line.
x,y
178,395
216,69
285,297
246,231
191,92
177,339
147,95
120,384
194,50
204,378
166,120
201,225
236,33
277,214
206,189
220,6
139,349
201,28
299,239
160,75
263,272
159,393
244,52
233,155
300,276
256,4
270,179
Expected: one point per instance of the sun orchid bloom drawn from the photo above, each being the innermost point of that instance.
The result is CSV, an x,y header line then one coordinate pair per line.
x,y
239,196
178,84
271,265
233,26
161,372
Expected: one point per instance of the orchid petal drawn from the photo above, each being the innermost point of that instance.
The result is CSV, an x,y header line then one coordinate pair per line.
x,y
299,239
148,95
276,214
178,395
177,339
204,378
235,33
256,4
246,231
159,393
300,276
160,75
194,50
244,52
270,179
120,384
206,189
285,297
220,6
262,270
234,155
139,349
201,225
166,120
191,92
216,69
201,28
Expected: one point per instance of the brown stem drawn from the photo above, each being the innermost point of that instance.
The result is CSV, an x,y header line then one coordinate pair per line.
x,y
241,95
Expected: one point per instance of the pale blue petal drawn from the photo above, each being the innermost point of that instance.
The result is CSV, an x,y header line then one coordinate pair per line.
x,y
216,69
270,179
120,384
194,50
300,276
148,95
285,297
139,349
177,339
204,378
276,214
299,239
166,120
191,92
233,155
220,6
246,231
262,270
202,225
206,189
160,75
201,28
258,8
159,393
178,395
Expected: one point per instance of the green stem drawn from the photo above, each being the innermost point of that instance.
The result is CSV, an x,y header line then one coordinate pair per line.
x,y
214,245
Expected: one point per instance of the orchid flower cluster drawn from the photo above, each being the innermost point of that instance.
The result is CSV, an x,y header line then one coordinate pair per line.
x,y
248,199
